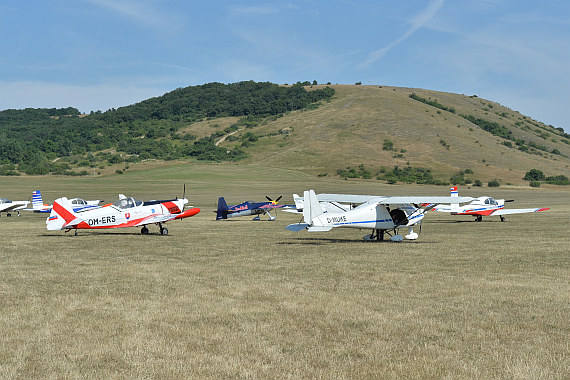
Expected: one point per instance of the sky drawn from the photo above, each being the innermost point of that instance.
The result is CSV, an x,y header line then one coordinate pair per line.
x,y
102,54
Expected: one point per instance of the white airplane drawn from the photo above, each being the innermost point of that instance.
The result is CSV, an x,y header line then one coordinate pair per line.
x,y
8,206
126,212
379,214
78,204
482,206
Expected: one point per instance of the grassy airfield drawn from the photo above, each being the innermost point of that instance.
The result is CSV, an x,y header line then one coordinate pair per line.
x,y
249,299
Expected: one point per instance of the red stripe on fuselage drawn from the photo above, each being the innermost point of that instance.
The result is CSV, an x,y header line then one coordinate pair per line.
x,y
171,207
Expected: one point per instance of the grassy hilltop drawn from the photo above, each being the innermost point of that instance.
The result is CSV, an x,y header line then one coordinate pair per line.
x,y
351,130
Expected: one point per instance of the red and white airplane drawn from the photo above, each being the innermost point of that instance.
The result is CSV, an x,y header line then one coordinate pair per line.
x,y
483,206
126,212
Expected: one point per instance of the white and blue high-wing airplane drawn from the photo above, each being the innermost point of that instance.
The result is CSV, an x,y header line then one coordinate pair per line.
x,y
377,213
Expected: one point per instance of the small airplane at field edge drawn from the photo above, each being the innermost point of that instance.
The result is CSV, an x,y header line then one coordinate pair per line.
x,y
247,208
78,204
482,206
8,206
126,212
377,213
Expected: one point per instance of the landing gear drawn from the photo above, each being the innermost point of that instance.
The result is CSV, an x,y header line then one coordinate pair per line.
x,y
144,230
377,235
479,218
502,218
163,230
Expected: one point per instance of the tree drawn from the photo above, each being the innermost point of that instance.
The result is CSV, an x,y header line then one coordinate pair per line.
x,y
534,175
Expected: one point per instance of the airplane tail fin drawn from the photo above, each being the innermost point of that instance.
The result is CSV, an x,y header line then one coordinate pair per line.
x,y
222,212
62,215
311,207
299,204
454,194
37,201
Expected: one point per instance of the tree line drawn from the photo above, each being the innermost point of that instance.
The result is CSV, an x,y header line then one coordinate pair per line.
x,y
32,140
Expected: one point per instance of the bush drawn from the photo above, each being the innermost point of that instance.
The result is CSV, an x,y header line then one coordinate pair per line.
x,y
534,175
534,184
493,183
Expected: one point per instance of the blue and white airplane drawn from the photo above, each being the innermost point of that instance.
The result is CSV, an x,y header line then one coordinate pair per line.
x,y
377,213
78,204
247,208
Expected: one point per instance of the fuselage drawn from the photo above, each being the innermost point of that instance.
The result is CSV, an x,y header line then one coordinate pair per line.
x,y
372,216
127,212
482,206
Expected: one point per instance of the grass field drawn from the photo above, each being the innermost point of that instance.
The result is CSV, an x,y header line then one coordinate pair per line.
x,y
245,299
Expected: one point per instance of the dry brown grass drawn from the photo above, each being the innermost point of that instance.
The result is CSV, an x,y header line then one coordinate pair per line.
x,y
243,299
350,130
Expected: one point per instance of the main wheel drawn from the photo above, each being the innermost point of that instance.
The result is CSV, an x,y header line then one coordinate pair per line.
x,y
164,231
144,230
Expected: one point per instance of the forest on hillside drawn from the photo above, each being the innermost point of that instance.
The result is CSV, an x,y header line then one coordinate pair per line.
x,y
33,141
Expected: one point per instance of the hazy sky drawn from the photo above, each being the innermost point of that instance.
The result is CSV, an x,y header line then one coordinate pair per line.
x,y
101,54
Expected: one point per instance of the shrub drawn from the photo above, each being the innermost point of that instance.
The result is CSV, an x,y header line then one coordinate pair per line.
x,y
534,175
534,184
493,183
388,145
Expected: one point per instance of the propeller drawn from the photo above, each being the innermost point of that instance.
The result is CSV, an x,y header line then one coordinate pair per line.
x,y
509,200
274,201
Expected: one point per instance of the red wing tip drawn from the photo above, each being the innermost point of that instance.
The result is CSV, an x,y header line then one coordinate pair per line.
x,y
543,209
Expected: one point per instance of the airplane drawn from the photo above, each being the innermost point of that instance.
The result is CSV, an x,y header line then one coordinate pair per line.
x,y
247,208
482,206
79,204
126,212
8,206
377,213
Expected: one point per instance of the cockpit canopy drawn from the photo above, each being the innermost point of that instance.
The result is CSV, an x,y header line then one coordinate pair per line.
x,y
78,201
126,203
488,201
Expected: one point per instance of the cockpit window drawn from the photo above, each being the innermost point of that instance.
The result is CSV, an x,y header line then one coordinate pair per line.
x,y
78,201
127,203
5,200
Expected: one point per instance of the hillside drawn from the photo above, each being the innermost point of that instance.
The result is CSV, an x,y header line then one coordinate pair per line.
x,y
352,129
364,130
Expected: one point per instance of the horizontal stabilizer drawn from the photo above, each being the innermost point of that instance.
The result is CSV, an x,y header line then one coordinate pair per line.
x,y
297,227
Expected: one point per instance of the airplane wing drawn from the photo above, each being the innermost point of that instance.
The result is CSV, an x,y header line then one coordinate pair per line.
x,y
13,205
351,198
165,218
518,211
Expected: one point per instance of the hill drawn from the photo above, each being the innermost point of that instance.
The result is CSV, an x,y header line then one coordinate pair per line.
x,y
373,132
378,127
